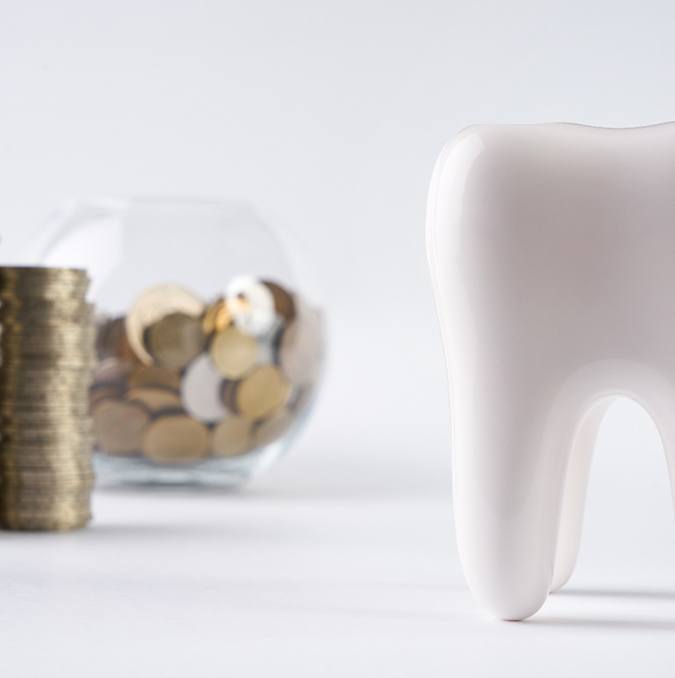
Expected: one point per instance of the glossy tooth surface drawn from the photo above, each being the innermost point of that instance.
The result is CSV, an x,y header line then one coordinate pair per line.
x,y
551,251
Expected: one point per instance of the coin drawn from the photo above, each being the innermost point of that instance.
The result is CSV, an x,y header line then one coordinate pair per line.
x,y
70,436
103,391
284,303
233,352
59,293
21,458
22,317
112,341
155,303
153,398
269,430
262,392
27,496
174,340
200,390
119,425
176,439
217,317
190,372
9,273
51,360
300,350
75,487
50,522
78,463
47,351
34,412
151,375
231,437
111,371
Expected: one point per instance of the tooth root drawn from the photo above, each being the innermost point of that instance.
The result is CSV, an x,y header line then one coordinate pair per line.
x,y
510,451
574,495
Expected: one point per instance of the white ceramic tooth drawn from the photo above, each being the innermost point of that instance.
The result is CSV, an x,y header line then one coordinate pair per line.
x,y
551,251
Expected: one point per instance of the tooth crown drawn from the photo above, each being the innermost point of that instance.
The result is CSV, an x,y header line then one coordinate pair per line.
x,y
552,252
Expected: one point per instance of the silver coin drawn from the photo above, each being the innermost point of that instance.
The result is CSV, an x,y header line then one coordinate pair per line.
x,y
200,390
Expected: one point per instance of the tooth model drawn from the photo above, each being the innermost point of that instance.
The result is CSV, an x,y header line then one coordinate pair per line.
x,y
552,251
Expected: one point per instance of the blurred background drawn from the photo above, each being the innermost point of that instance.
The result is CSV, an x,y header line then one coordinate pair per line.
x,y
328,118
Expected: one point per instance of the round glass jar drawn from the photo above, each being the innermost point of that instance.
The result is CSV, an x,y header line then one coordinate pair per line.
x,y
209,357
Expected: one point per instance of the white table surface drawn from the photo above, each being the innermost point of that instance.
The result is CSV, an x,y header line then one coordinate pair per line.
x,y
313,571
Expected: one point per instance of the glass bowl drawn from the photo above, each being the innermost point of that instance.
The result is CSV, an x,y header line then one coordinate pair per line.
x,y
209,357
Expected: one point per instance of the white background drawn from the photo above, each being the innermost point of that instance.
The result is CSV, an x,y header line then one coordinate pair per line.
x,y
328,118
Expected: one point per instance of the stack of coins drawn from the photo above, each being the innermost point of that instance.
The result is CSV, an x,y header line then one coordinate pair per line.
x,y
182,380
47,354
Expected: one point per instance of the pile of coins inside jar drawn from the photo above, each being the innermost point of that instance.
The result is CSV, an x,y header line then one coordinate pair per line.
x,y
47,349
181,380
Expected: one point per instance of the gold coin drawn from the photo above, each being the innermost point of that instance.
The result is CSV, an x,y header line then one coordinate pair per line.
x,y
26,319
22,460
40,309
46,485
176,439
28,371
111,371
65,340
55,428
231,437
51,437
153,398
284,304
33,284
19,275
56,292
43,523
47,351
47,410
78,347
46,454
19,359
155,303
301,347
50,423
74,464
112,341
40,499
119,426
262,392
217,317
175,340
151,375
38,395
51,308
22,495
52,519
42,272
269,430
233,352
105,391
